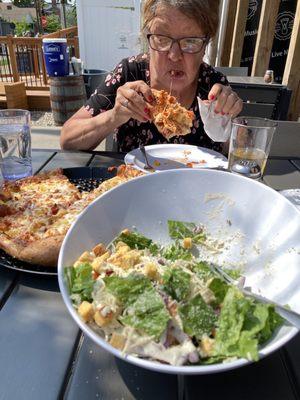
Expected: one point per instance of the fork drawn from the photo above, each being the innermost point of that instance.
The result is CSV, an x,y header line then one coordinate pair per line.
x,y
289,315
147,165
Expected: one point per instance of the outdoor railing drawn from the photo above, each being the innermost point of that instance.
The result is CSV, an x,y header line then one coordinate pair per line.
x,y
64,33
22,59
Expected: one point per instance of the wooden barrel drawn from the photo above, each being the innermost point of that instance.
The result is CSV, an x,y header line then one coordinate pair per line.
x,y
67,95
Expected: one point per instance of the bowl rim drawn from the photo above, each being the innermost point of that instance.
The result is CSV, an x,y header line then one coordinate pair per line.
x,y
155,365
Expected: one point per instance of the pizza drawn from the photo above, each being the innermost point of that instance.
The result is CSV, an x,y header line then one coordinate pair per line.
x,y
170,118
36,213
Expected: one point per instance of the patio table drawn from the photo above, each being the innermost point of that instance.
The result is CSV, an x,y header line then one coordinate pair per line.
x,y
43,354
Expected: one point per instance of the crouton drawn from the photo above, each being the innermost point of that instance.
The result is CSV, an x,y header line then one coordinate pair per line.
x,y
103,318
206,346
85,257
125,258
99,249
98,262
187,243
118,341
151,270
86,311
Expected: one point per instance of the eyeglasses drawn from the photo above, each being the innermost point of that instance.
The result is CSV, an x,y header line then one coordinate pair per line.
x,y
164,43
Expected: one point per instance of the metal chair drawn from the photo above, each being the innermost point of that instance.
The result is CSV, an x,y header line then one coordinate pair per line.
x,y
266,101
286,140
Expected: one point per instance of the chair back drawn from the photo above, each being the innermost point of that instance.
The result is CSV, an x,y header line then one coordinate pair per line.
x,y
265,101
16,95
286,140
2,89
233,71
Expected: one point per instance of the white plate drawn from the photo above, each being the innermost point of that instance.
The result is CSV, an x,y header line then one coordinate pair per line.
x,y
172,156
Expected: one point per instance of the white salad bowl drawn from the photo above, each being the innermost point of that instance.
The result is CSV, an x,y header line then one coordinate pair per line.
x,y
259,227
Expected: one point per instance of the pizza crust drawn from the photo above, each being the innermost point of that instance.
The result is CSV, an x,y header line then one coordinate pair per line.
x,y
170,118
43,252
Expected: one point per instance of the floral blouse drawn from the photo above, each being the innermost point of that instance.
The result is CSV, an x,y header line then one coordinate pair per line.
x,y
130,135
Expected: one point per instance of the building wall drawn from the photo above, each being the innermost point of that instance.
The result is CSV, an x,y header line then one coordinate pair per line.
x,y
108,31
16,13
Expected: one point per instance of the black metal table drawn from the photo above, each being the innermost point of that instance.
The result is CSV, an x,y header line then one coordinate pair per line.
x,y
43,355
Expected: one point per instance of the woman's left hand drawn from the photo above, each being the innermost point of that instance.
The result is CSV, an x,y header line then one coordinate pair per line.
x,y
227,102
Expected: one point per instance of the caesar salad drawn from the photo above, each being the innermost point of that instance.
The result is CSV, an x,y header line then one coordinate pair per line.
x,y
163,303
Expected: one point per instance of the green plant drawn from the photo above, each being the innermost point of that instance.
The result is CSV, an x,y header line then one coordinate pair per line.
x,y
23,3
22,27
71,16
3,62
53,23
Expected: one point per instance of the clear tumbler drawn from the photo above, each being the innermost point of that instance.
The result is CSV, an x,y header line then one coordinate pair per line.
x,y
15,144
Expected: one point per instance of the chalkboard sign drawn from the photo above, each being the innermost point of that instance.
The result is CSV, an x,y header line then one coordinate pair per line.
x,y
283,31
251,33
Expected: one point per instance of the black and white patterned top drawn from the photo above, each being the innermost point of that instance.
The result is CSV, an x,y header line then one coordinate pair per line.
x,y
130,135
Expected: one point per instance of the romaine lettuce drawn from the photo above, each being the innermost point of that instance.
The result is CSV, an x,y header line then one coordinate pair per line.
x,y
198,318
80,281
242,325
176,252
127,289
219,289
181,230
148,314
202,270
234,308
137,241
274,321
176,283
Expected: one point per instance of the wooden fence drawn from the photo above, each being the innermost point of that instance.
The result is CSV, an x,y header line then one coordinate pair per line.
x,y
21,58
234,39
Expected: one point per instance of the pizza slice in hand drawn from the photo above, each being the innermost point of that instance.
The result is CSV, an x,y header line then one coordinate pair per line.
x,y
170,118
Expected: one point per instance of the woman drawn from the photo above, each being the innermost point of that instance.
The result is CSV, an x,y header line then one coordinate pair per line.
x,y
177,33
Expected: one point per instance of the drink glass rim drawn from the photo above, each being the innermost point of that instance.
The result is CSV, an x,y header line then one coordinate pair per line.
x,y
18,112
265,122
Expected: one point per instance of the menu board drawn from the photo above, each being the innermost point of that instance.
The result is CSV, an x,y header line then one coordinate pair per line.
x,y
283,31
281,42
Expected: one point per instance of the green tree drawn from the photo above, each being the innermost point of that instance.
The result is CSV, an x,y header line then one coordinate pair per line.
x,y
71,16
23,3
53,23
22,27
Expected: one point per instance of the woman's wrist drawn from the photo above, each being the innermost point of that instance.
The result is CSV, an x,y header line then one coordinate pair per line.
x,y
115,119
103,123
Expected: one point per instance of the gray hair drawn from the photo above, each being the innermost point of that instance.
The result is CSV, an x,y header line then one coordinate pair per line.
x,y
204,12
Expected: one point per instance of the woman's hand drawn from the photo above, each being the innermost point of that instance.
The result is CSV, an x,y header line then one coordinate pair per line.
x,y
131,101
227,102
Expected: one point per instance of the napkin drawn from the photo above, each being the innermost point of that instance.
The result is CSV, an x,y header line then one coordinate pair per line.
x,y
216,126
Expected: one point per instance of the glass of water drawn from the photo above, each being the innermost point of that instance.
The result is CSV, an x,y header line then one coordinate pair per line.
x,y
250,143
15,144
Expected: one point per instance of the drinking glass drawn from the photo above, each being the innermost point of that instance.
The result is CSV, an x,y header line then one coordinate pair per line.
x,y
15,144
250,143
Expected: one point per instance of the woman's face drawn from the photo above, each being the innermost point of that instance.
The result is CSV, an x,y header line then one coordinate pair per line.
x,y
181,68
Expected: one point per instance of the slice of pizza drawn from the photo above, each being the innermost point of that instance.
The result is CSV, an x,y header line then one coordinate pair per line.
x,y
36,213
170,118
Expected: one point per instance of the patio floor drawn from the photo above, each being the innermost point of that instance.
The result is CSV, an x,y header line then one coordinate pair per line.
x,y
48,138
